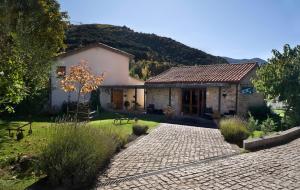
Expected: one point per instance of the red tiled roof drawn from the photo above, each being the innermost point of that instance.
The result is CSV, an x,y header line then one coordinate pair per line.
x,y
204,73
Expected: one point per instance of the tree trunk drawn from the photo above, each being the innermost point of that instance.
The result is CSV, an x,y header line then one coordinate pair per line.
x,y
77,106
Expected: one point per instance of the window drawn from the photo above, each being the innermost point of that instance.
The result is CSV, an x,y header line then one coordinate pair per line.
x,y
61,71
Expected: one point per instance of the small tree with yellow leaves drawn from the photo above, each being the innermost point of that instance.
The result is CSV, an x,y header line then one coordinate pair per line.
x,y
81,80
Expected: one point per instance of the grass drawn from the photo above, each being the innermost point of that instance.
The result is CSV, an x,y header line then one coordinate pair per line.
x,y
31,144
280,112
256,134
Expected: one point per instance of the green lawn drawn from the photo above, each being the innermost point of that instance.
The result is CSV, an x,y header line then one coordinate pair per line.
x,y
31,144
280,112
257,134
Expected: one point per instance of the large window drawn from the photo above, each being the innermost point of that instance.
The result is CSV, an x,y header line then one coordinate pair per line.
x,y
61,71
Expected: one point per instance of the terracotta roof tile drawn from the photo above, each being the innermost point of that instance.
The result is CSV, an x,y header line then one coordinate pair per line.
x,y
204,73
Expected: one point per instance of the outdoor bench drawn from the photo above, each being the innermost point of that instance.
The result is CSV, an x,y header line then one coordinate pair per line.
x,y
119,118
20,128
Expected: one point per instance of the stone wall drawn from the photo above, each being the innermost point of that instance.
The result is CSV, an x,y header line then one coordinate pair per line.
x,y
247,100
228,98
212,99
160,98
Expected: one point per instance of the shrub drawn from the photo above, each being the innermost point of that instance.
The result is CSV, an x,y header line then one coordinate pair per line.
x,y
268,126
139,129
74,155
261,112
252,125
19,135
234,130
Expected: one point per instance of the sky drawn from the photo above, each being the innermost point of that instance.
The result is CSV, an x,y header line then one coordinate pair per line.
x,y
232,28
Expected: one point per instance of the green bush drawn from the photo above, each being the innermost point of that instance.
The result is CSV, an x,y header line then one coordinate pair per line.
x,y
74,155
252,125
139,129
261,112
268,126
234,130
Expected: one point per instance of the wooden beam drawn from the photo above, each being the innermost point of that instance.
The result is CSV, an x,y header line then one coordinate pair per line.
x,y
170,94
236,97
135,98
111,95
219,104
199,99
184,85
145,99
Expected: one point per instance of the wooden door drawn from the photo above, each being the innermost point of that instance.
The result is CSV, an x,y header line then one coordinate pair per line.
x,y
117,98
193,101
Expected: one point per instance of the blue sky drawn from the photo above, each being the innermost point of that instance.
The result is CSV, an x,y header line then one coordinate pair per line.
x,y
233,28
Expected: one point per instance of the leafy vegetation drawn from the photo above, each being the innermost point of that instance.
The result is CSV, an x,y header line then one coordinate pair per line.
x,y
280,78
139,129
252,125
153,54
31,34
75,154
268,126
31,145
234,130
263,113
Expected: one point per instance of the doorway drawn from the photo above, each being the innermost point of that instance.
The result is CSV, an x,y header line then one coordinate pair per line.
x,y
117,98
193,101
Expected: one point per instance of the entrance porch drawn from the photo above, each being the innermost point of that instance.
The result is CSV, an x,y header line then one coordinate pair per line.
x,y
195,100
122,97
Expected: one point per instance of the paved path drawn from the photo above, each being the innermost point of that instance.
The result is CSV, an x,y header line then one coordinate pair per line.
x,y
275,168
167,146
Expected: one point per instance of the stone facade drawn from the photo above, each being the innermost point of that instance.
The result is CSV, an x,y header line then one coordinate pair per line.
x,y
247,100
228,98
160,97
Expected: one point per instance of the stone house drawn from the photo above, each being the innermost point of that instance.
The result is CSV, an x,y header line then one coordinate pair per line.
x,y
118,86
195,90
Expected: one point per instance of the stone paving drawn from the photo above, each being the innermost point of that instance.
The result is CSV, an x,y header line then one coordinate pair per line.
x,y
275,168
167,146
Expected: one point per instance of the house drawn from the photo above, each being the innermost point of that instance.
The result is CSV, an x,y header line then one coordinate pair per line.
x,y
118,86
194,90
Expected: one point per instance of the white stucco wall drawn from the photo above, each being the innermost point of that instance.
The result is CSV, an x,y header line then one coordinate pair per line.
x,y
115,67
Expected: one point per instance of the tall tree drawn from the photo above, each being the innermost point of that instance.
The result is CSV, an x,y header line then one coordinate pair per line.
x,y
81,80
31,34
280,78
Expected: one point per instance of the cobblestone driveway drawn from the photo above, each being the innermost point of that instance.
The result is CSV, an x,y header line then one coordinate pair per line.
x,y
275,168
167,146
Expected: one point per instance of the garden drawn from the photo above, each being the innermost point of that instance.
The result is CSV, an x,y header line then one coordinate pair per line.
x,y
279,80
57,148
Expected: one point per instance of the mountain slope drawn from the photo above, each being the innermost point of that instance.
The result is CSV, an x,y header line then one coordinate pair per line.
x,y
236,61
143,46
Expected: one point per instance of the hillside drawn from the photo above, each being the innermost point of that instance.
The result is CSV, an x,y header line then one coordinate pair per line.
x,y
153,53
236,61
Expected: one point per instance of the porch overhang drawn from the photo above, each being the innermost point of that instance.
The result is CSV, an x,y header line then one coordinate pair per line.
x,y
185,85
141,86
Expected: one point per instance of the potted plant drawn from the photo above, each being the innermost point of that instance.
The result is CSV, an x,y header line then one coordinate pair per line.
x,y
169,112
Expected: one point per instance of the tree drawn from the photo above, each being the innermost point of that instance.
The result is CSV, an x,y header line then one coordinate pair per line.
x,y
81,79
280,78
31,34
